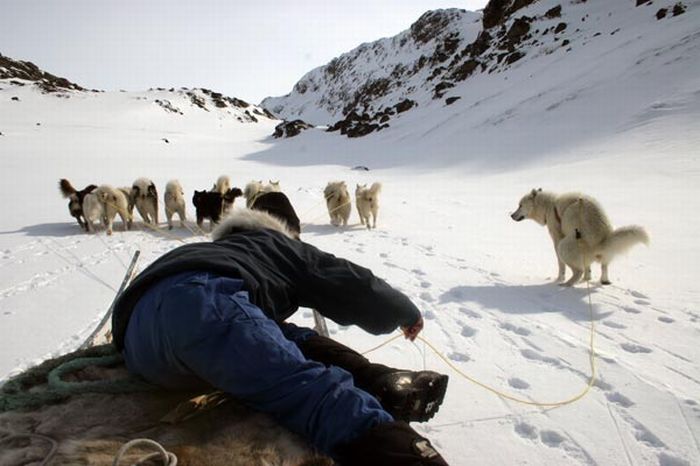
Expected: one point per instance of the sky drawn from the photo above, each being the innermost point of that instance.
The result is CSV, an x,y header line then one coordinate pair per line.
x,y
246,49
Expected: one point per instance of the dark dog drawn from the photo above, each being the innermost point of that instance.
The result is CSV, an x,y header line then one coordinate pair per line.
x,y
229,197
75,204
278,205
209,205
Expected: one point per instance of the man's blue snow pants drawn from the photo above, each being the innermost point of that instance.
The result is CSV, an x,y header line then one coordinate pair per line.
x,y
198,326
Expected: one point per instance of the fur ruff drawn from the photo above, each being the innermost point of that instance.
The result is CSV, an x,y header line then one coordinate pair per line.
x,y
247,219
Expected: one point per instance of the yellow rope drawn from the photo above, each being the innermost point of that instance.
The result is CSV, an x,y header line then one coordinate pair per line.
x,y
544,404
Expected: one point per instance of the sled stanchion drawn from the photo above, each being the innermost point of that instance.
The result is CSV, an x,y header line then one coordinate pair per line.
x,y
127,278
320,324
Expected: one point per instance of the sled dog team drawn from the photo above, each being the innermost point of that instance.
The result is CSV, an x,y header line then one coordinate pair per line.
x,y
580,230
103,203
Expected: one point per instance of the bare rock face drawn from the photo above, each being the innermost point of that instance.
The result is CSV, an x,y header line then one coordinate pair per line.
x,y
289,129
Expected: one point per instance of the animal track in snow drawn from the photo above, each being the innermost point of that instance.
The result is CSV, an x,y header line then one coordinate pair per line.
x,y
469,313
525,430
534,356
468,331
425,284
515,329
619,399
418,272
631,310
666,459
613,324
551,438
517,383
637,294
427,297
634,348
642,302
666,320
383,255
430,315
459,357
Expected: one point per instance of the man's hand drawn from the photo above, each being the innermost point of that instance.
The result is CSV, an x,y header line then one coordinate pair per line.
x,y
412,332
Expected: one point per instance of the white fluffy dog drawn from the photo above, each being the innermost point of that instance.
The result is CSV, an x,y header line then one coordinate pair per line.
x,y
251,191
114,202
174,199
580,231
144,196
272,187
367,202
93,210
222,185
338,202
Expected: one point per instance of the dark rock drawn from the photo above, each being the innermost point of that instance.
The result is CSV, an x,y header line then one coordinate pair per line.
x,y
496,12
481,44
464,70
360,168
384,119
15,98
678,9
553,12
661,14
165,140
429,25
451,100
513,57
642,2
520,27
404,105
566,42
289,129
560,27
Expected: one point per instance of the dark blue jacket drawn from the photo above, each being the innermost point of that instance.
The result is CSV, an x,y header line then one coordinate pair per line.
x,y
280,274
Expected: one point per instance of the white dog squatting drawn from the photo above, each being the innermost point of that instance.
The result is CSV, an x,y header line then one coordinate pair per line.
x,y
580,231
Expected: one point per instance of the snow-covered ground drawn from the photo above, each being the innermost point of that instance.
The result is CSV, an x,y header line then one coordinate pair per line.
x,y
628,136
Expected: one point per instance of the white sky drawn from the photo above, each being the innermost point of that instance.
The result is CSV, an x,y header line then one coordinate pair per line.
x,y
247,49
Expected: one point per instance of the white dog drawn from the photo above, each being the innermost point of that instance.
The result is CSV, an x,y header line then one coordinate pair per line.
x,y
144,196
93,210
367,202
114,202
222,185
272,187
580,231
338,202
174,199
251,191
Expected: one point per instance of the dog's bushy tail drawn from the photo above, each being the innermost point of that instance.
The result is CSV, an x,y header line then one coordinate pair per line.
x,y
66,188
375,188
622,239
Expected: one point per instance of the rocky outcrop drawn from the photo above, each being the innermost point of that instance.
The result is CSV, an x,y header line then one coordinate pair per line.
x,y
28,71
289,129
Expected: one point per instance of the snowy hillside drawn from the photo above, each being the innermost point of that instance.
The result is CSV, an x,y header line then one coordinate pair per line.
x,y
555,56
613,115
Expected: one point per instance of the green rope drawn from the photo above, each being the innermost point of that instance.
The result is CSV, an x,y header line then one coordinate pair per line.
x,y
43,384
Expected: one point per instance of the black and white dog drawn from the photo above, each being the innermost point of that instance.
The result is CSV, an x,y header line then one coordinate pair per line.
x,y
75,204
144,196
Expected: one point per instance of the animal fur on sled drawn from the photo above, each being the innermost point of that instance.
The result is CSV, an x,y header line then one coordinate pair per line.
x,y
90,429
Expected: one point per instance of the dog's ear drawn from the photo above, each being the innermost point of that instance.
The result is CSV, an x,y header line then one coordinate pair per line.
x,y
533,193
539,190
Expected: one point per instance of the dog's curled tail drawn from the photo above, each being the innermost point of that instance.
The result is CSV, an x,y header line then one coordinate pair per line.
x,y
66,188
375,188
624,238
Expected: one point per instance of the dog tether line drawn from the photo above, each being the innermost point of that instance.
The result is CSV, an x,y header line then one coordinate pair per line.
x,y
507,396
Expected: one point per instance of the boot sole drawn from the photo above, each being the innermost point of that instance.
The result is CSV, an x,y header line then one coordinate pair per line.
x,y
422,406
